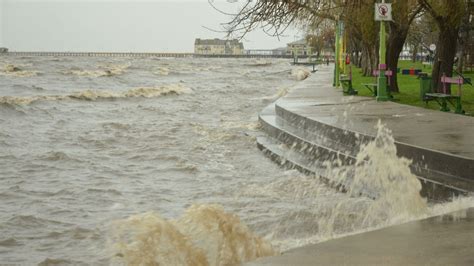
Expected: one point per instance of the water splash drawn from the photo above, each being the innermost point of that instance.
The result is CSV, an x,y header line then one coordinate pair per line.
x,y
379,191
379,172
391,190
300,73
204,235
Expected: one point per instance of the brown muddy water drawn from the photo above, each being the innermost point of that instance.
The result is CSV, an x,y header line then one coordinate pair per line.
x,y
147,160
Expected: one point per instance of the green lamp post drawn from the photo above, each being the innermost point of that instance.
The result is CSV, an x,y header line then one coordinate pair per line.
x,y
382,13
337,54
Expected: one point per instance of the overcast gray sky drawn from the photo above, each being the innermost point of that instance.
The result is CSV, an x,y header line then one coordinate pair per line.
x,y
107,25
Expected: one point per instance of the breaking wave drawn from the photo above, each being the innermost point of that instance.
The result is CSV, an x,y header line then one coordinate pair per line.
x,y
17,71
204,235
94,95
103,71
162,71
260,63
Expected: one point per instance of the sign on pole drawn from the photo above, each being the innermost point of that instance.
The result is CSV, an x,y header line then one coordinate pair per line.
x,y
433,47
383,12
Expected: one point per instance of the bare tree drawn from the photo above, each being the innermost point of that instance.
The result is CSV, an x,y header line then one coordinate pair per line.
x,y
275,16
404,12
448,16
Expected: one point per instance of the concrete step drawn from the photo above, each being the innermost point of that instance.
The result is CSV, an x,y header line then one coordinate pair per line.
x,y
309,143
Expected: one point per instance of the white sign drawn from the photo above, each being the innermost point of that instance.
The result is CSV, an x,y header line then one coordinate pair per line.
x,y
432,47
383,12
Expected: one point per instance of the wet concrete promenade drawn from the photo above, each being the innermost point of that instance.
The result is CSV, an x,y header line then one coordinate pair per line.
x,y
440,145
442,240
431,129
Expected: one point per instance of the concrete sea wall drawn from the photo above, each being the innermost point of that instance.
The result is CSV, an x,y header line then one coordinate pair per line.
x,y
315,123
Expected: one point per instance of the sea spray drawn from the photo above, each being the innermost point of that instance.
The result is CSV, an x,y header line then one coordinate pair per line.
x,y
204,235
149,239
223,237
379,170
300,73
379,190
385,180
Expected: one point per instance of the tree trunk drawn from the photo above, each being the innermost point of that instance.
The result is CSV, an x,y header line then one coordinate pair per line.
x,y
359,60
395,46
355,58
446,51
374,60
370,60
365,60
461,60
414,53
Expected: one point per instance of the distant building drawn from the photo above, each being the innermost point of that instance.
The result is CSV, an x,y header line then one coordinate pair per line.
x,y
218,47
3,50
300,47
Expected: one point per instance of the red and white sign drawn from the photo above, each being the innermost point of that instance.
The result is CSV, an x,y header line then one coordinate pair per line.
x,y
383,12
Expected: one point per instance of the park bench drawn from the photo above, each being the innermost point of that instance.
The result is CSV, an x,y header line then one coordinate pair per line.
x,y
346,83
373,86
444,99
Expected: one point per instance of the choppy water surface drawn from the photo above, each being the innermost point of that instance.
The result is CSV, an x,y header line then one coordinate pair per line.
x,y
106,160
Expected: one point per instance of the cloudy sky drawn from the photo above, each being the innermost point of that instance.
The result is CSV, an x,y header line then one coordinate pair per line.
x,y
108,25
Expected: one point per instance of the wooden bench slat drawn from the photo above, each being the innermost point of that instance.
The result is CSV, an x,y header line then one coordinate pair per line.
x,y
370,84
442,95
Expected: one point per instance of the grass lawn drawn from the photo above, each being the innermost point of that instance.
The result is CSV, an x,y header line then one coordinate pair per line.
x,y
410,88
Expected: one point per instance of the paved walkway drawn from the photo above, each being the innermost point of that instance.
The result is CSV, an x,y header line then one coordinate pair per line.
x,y
443,240
436,130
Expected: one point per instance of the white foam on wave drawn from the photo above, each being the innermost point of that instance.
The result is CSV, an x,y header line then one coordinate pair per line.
x,y
204,235
103,71
162,71
17,71
300,73
93,95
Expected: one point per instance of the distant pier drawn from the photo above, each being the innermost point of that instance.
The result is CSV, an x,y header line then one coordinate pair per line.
x,y
97,54
116,54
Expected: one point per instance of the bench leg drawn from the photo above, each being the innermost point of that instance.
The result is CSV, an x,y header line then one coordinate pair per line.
x,y
350,89
459,109
444,105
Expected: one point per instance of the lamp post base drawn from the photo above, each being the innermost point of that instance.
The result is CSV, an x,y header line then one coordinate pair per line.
x,y
382,91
